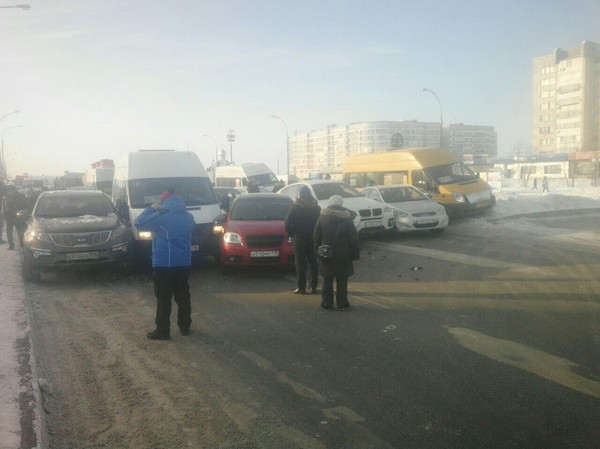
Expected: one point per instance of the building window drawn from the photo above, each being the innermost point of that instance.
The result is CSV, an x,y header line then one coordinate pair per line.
x,y
552,170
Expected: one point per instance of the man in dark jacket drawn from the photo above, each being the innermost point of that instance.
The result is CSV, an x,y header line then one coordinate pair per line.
x,y
335,227
300,225
13,202
172,226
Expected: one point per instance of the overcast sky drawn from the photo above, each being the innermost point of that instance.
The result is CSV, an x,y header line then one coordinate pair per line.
x,y
96,78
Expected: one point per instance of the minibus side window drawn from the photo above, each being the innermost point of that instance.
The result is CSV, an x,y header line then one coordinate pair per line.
x,y
422,182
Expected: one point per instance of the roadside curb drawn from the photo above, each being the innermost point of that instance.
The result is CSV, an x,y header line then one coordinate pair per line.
x,y
26,400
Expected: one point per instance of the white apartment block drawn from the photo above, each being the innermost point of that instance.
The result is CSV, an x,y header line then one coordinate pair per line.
x,y
566,100
324,151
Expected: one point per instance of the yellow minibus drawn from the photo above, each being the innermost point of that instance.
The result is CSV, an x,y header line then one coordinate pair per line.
x,y
435,171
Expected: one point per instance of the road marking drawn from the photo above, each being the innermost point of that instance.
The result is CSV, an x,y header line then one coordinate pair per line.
x,y
585,238
445,255
524,357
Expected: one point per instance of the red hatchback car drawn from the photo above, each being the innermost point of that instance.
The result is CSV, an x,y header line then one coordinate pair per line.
x,y
254,232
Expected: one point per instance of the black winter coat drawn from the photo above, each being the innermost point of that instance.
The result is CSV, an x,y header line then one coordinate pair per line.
x,y
301,220
337,219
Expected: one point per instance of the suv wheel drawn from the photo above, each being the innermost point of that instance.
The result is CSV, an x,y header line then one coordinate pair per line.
x,y
29,274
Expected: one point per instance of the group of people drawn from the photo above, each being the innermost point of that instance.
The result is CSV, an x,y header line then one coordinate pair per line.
x,y
309,226
11,202
545,184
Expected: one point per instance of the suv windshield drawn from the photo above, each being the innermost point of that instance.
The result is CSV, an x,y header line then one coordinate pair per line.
x,y
193,191
451,173
73,206
327,190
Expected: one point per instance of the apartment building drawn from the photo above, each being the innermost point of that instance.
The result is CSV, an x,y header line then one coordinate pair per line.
x,y
324,151
566,100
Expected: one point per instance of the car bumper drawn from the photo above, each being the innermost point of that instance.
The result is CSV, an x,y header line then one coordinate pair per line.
x,y
412,224
51,260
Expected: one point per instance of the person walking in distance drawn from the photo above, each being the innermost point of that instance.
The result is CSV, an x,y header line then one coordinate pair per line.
x,y
171,226
336,228
534,184
300,225
545,185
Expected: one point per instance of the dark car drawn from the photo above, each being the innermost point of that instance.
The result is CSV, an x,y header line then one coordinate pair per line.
x,y
69,229
254,232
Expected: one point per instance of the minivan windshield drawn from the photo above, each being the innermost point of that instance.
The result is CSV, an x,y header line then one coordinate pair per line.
x,y
264,179
194,191
451,173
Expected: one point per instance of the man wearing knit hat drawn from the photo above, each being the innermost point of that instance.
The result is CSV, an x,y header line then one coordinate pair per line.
x,y
171,226
300,225
336,228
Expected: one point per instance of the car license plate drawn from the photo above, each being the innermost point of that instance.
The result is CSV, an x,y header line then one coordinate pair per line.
x,y
372,224
426,220
82,256
264,253
195,247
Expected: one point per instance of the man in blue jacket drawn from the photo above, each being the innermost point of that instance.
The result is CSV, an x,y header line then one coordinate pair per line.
x,y
171,226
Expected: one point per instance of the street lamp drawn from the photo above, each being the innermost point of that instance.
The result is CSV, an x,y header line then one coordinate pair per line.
x,y
4,170
231,139
440,103
287,145
24,7
10,113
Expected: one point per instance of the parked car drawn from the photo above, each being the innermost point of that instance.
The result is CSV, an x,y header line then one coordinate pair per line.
x,y
71,229
369,216
253,232
413,210
227,195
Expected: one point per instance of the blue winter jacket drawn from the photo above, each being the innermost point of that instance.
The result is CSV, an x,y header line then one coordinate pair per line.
x,y
171,227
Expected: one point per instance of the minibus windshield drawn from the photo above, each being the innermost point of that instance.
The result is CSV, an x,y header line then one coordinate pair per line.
x,y
451,173
194,191
264,179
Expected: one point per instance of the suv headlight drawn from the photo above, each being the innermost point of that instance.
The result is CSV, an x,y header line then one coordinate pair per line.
x,y
232,237
398,213
34,234
119,231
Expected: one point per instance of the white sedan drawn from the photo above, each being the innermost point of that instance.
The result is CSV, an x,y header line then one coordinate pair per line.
x,y
413,210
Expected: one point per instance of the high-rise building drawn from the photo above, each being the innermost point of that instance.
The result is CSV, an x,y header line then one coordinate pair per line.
x,y
566,100
325,150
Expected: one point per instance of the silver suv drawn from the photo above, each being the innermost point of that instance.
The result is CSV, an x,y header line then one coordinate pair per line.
x,y
71,229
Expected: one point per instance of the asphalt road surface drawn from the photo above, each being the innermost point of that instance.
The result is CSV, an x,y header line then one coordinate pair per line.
x,y
486,336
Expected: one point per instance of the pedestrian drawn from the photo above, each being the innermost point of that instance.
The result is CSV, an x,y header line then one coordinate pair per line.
x,y
534,184
13,202
545,185
2,192
253,187
300,225
336,228
171,226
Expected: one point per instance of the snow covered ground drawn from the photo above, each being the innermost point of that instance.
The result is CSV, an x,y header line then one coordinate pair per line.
x,y
14,324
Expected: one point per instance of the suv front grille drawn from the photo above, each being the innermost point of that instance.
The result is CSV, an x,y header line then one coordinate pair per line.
x,y
365,213
80,239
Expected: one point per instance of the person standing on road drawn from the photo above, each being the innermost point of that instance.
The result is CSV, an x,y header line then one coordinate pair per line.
x,y
13,202
2,192
534,184
171,226
545,185
335,227
300,225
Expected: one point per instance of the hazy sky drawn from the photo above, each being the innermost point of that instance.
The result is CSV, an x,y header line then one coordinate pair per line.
x,y
96,78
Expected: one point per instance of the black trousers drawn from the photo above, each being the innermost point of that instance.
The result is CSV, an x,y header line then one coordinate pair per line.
x,y
172,283
341,292
20,228
304,253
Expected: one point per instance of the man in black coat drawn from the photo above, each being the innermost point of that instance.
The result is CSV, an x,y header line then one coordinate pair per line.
x,y
300,225
335,227
13,202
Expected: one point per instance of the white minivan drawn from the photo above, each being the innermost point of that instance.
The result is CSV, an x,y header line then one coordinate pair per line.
x,y
245,174
369,215
140,177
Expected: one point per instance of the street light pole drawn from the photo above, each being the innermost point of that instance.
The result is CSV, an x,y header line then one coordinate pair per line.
x,y
4,169
287,144
231,139
440,104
